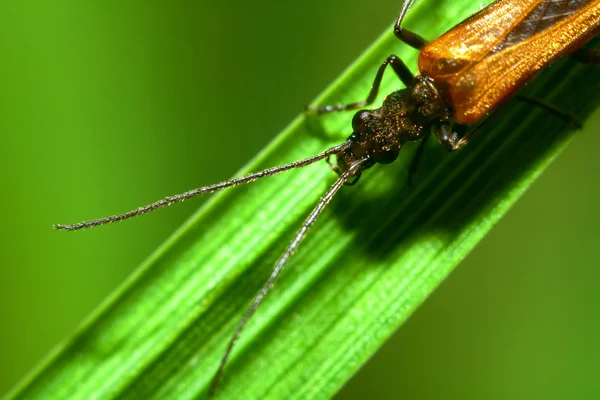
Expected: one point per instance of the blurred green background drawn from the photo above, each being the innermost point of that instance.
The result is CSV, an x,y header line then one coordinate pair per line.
x,y
106,106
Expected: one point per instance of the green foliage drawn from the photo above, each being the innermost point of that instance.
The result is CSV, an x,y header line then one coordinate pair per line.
x,y
374,256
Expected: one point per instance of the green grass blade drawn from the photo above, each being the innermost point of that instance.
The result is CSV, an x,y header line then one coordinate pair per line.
x,y
376,254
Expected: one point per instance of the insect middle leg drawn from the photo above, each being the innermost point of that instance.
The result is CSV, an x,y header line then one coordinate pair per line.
x,y
406,36
399,68
338,171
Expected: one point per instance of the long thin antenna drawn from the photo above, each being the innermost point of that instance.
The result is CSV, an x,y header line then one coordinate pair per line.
x,y
354,168
167,201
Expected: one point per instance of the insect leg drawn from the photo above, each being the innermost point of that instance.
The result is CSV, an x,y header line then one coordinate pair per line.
x,y
551,108
399,68
587,56
353,180
334,167
410,38
416,161
455,138
406,36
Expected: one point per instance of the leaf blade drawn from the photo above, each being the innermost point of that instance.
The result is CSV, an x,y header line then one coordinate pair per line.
x,y
162,335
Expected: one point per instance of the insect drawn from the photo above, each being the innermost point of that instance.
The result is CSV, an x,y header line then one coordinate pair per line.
x,y
465,75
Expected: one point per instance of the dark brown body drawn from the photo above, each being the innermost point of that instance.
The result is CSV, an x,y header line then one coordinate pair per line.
x,y
408,114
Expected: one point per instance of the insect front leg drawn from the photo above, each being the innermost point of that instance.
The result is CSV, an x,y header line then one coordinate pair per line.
x,y
334,167
416,161
453,137
399,68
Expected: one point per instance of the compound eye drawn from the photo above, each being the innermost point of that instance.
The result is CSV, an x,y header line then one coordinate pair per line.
x,y
360,120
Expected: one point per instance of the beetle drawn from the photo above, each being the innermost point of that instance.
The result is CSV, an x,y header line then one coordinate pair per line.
x,y
465,75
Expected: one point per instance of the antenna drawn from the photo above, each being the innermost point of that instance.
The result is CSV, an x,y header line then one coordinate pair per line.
x,y
352,170
178,198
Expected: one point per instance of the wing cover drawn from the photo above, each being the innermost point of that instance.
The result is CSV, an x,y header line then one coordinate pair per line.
x,y
492,54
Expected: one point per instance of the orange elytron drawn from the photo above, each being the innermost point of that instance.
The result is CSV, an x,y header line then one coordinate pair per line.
x,y
465,74
490,55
